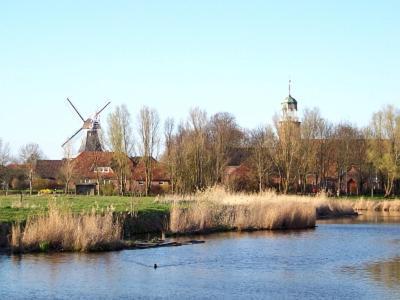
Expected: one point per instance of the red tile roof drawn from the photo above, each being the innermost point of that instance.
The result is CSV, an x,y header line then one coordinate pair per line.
x,y
160,172
16,166
86,163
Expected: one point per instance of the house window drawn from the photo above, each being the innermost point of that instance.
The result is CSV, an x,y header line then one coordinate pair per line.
x,y
103,170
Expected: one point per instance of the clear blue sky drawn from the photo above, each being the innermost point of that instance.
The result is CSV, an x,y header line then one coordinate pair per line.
x,y
235,56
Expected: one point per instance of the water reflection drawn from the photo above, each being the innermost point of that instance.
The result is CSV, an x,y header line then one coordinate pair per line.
x,y
263,234
366,218
386,272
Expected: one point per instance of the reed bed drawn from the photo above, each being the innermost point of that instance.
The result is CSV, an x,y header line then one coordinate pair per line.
x,y
61,230
202,217
331,208
378,206
216,209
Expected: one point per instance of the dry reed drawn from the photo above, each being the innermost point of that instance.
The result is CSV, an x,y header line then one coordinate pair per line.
x,y
331,207
61,230
216,209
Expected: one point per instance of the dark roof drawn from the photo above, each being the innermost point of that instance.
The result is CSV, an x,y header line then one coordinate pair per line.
x,y
290,100
137,159
238,155
48,169
86,184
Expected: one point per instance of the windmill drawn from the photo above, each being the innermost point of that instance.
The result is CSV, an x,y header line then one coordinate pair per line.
x,y
92,128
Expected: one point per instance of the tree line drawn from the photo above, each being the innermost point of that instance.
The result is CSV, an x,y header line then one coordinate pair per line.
x,y
282,155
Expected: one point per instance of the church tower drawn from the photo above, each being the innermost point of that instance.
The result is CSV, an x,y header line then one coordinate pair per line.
x,y
289,119
289,108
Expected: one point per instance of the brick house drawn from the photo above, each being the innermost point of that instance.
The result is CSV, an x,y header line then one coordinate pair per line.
x,y
91,172
161,182
95,169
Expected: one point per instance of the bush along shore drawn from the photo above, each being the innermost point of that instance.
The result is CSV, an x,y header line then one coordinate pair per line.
x,y
60,229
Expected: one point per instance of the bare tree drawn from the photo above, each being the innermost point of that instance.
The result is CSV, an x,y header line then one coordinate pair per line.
x,y
170,150
360,158
325,152
148,130
345,136
182,160
224,136
5,155
384,145
67,170
262,145
120,137
311,122
29,155
197,148
287,152
5,158
192,153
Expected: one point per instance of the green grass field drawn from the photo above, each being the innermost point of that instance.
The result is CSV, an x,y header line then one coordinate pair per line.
x,y
12,209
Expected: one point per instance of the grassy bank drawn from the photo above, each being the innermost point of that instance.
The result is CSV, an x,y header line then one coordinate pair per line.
x,y
12,209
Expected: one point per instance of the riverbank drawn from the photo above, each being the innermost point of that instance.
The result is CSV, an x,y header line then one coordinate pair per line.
x,y
109,223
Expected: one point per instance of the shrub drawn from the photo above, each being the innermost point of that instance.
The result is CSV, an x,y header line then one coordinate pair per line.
x,y
45,192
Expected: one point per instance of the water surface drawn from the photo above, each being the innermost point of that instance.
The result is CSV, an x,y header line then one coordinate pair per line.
x,y
348,259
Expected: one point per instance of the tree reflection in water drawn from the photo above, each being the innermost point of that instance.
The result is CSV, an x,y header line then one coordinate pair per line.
x,y
386,272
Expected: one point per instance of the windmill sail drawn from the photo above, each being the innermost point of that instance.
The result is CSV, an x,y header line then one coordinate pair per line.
x,y
92,140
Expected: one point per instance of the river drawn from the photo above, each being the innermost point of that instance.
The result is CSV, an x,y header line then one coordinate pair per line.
x,y
357,258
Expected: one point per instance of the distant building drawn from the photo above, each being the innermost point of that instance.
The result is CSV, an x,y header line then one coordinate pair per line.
x,y
91,172
351,181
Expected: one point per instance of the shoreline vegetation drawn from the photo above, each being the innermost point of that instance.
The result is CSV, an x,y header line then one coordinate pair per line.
x,y
63,228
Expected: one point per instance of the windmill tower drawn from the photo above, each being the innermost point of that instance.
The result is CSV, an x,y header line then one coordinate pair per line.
x,y
91,125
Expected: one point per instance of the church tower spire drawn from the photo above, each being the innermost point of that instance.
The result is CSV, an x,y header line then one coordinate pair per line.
x,y
289,107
